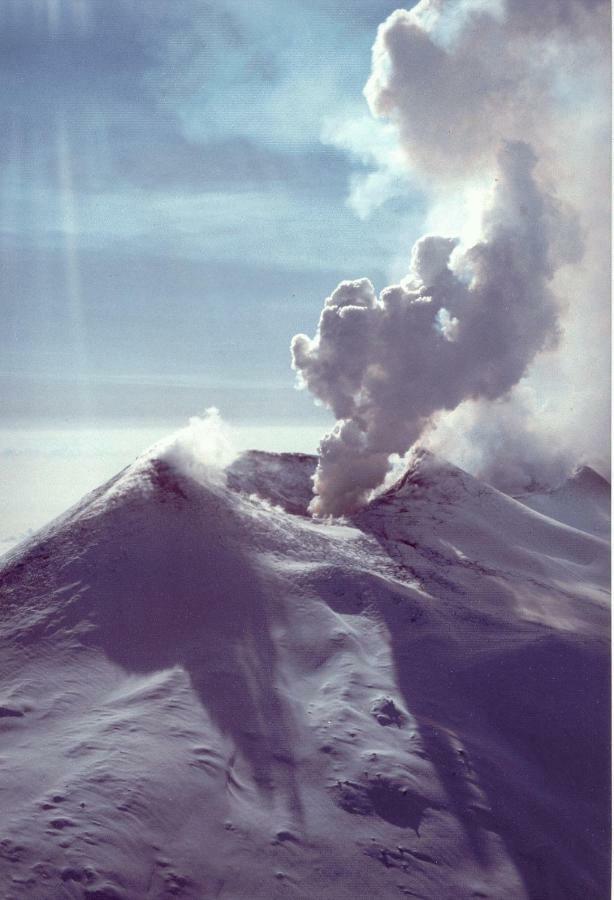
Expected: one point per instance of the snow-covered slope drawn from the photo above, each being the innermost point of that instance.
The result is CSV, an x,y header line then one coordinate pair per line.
x,y
583,502
282,478
206,694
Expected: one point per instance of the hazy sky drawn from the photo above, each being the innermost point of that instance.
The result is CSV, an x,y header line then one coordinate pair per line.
x,y
174,208
184,182
172,211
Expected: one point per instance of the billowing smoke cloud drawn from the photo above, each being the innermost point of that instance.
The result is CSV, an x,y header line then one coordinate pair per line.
x,y
457,76
386,365
462,81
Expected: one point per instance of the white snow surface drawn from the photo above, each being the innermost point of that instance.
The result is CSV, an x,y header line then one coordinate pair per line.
x,y
207,694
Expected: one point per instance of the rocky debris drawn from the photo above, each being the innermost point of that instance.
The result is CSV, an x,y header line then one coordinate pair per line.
x,y
387,713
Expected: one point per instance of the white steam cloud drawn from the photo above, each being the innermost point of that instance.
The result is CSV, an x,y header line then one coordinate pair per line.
x,y
202,450
471,86
517,446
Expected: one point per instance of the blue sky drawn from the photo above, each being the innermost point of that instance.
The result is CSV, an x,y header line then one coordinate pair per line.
x,y
173,210
171,214
182,183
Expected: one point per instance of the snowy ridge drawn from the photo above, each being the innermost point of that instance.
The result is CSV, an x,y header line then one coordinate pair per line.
x,y
205,695
583,502
284,479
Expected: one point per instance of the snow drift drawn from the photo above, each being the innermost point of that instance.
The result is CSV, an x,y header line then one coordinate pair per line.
x,y
205,693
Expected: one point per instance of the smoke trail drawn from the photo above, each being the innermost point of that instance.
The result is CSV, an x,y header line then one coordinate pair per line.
x,y
459,80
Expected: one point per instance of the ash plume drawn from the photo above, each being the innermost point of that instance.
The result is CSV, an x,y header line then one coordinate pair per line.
x,y
464,87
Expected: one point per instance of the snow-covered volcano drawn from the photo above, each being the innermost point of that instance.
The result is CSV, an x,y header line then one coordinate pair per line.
x,y
207,694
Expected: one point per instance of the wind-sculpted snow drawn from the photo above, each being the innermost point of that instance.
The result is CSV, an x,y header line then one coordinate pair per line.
x,y
205,695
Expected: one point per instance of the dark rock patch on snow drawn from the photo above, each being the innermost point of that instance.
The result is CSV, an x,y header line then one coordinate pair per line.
x,y
383,797
387,713
10,712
